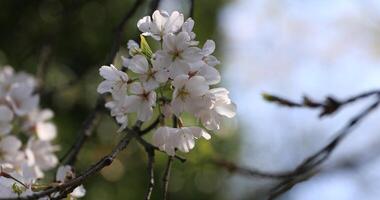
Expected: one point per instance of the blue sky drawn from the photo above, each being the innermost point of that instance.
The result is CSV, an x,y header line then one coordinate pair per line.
x,y
292,48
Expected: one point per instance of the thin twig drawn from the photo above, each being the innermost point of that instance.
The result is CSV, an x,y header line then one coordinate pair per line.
x,y
192,8
154,4
119,31
166,177
92,119
329,106
152,126
84,132
150,154
168,167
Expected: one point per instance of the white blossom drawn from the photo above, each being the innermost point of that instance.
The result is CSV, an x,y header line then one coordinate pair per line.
x,y
119,107
38,121
10,151
115,80
160,24
187,27
142,101
170,139
175,78
19,111
177,54
41,153
151,77
186,89
222,107
22,99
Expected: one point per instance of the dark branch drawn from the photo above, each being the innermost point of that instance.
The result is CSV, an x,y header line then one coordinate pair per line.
x,y
154,4
150,154
84,132
119,32
311,164
329,106
166,177
92,119
191,14
152,126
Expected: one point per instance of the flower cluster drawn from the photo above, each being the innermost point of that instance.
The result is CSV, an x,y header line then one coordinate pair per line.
x,y
26,135
177,78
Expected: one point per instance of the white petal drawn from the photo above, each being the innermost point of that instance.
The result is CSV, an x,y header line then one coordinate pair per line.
x,y
144,24
228,110
211,60
139,64
6,114
136,88
10,144
78,192
211,75
208,47
169,43
160,18
174,22
180,81
197,86
46,131
145,112
105,86
109,72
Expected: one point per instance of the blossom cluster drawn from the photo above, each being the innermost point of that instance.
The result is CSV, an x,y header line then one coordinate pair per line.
x,y
178,77
26,134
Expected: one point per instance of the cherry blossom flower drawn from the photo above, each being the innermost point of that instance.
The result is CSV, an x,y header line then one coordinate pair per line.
x,y
115,80
160,24
174,78
41,153
38,121
222,107
19,108
119,107
177,54
150,77
186,89
10,151
22,99
170,139
142,101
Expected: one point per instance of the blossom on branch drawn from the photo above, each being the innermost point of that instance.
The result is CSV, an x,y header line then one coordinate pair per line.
x,y
22,164
176,78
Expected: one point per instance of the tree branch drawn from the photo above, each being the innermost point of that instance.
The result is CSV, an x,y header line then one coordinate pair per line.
x,y
154,4
150,154
152,126
192,8
166,177
93,118
309,166
329,106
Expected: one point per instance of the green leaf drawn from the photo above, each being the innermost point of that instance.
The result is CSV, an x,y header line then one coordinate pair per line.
x,y
18,189
145,48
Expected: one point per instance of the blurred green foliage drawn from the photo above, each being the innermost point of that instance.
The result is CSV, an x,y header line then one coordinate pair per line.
x,y
80,33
